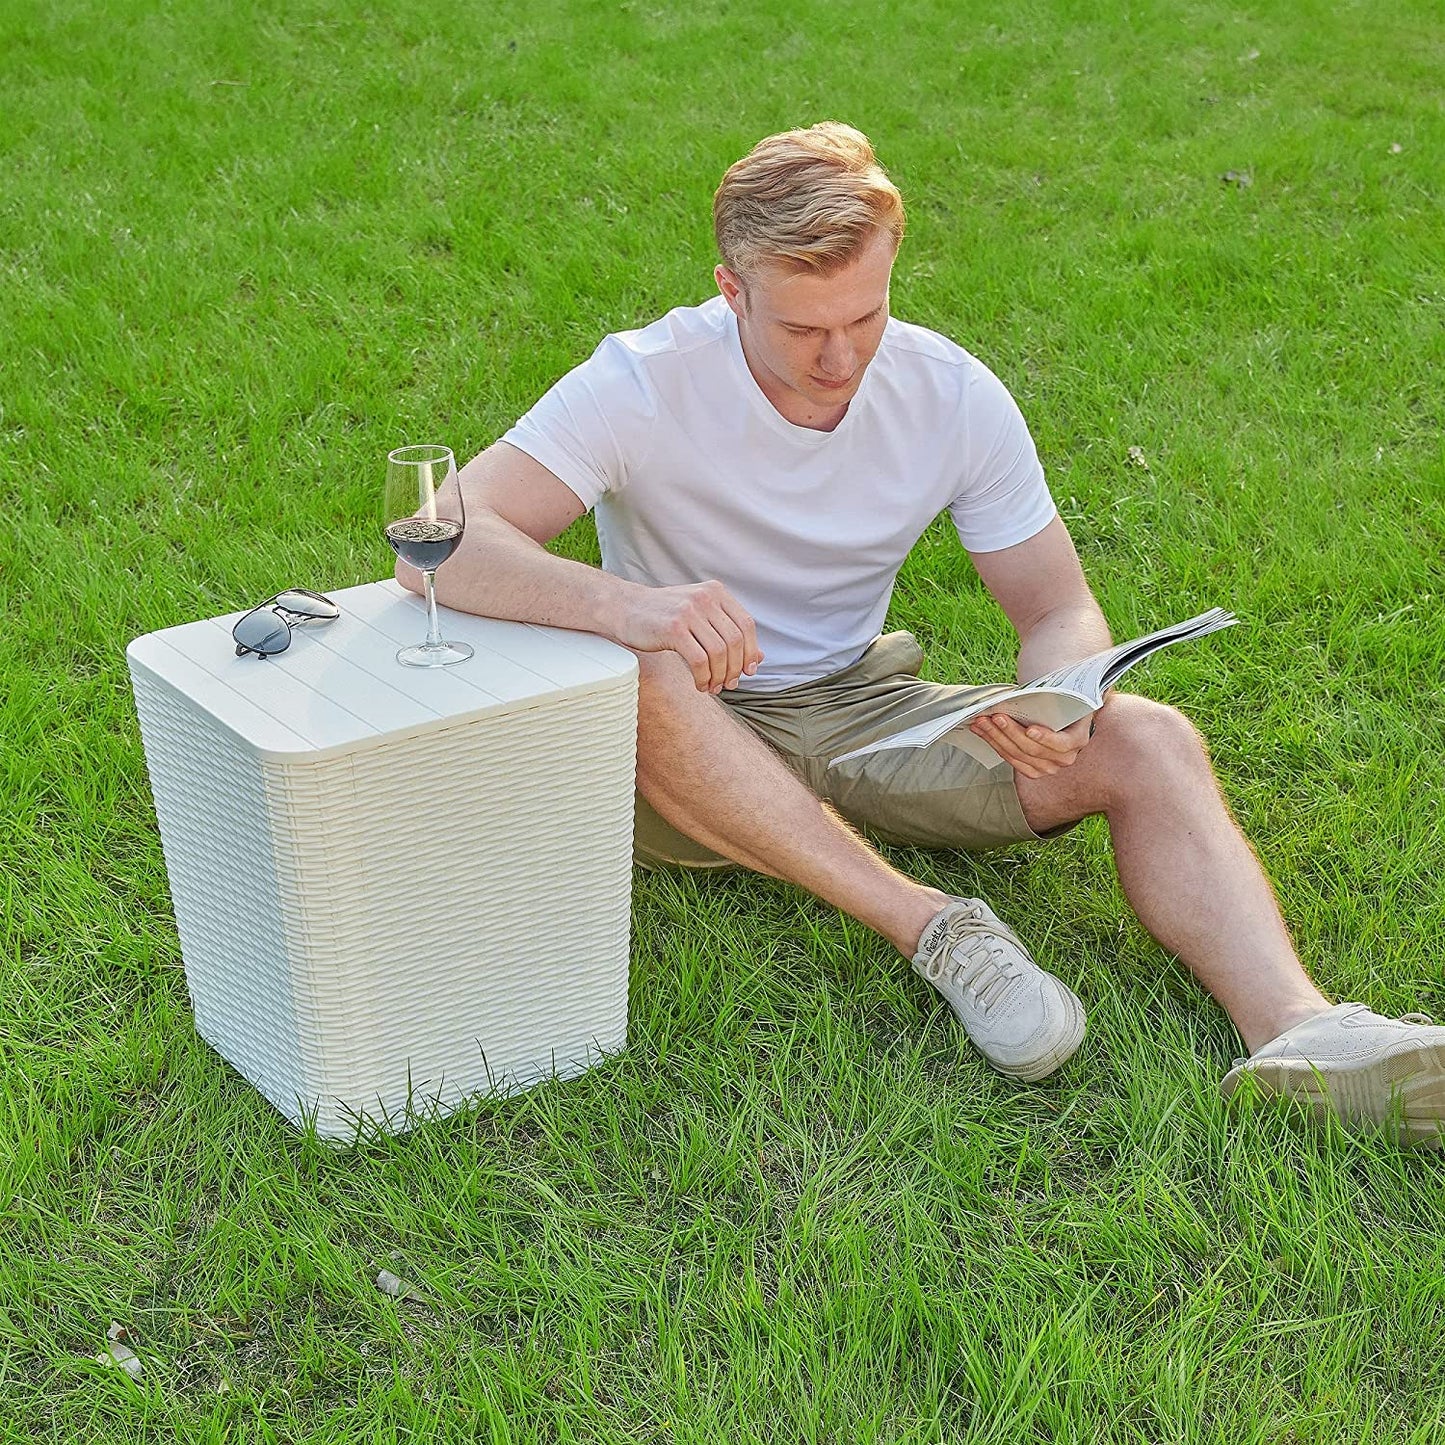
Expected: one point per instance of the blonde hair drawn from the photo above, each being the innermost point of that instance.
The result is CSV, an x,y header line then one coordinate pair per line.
x,y
809,200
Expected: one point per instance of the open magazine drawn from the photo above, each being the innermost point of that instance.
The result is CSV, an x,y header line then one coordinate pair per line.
x,y
1054,700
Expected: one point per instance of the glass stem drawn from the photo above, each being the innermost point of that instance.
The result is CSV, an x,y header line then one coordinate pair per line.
x,y
433,627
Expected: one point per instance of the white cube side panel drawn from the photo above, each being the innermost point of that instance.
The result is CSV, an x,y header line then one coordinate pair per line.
x,y
428,918
221,866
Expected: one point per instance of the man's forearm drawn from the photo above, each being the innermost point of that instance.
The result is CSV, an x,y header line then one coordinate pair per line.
x,y
1065,635
501,572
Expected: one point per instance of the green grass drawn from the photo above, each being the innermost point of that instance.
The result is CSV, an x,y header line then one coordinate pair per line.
x,y
244,252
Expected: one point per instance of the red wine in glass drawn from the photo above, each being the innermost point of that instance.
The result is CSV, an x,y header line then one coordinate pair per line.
x,y
422,543
424,522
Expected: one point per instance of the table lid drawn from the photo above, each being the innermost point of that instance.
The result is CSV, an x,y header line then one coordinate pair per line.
x,y
339,686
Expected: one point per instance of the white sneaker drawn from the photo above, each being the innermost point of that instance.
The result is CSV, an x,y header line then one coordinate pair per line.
x,y
1021,1019
1360,1066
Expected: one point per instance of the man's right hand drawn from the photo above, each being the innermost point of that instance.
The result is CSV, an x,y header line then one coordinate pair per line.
x,y
702,622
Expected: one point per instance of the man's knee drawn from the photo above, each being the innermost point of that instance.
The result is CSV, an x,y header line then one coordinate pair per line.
x,y
675,721
1141,743
662,672
664,685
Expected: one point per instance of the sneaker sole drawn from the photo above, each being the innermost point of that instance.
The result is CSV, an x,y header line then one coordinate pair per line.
x,y
1402,1090
1064,1050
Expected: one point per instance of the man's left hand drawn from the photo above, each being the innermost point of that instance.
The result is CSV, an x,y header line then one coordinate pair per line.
x,y
1030,748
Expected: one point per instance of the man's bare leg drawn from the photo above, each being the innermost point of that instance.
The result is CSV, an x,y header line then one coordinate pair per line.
x,y
1186,869
708,776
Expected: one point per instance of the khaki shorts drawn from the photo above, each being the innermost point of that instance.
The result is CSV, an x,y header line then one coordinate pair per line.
x,y
933,797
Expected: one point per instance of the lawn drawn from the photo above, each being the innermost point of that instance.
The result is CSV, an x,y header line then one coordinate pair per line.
x,y
246,250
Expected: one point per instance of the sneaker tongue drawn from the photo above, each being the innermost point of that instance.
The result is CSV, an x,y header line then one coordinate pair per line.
x,y
933,934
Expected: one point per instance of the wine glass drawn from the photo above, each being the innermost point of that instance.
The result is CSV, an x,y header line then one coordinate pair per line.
x,y
424,521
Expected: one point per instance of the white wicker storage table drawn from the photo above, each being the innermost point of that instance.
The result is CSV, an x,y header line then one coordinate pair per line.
x,y
395,888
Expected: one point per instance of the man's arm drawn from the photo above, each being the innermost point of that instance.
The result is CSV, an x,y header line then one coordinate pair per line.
x,y
514,506
1044,594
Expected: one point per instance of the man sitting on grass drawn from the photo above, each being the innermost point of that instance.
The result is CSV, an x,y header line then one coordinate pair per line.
x,y
761,465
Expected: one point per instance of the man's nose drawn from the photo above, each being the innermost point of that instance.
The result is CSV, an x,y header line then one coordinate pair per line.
x,y
838,357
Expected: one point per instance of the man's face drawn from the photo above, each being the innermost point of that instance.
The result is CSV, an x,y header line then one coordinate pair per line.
x,y
809,338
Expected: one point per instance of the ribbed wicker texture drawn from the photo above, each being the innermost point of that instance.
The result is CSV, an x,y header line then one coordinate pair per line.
x,y
389,929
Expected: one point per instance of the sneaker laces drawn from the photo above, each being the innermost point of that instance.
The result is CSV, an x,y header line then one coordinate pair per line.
x,y
967,951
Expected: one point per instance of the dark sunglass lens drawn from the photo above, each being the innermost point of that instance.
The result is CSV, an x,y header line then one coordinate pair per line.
x,y
262,632
307,604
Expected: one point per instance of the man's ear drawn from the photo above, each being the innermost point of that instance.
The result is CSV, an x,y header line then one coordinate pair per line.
x,y
732,288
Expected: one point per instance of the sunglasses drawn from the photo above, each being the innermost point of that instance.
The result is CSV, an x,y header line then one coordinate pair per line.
x,y
266,629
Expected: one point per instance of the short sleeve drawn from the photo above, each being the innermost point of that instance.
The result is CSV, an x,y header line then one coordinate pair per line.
x,y
1003,498
591,428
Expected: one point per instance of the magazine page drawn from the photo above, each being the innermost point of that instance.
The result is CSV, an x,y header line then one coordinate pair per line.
x,y
1056,699
1053,709
1094,676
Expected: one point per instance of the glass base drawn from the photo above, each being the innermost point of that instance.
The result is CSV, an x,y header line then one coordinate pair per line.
x,y
442,655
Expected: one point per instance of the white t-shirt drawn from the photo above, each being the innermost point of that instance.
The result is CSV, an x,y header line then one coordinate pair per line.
x,y
695,476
